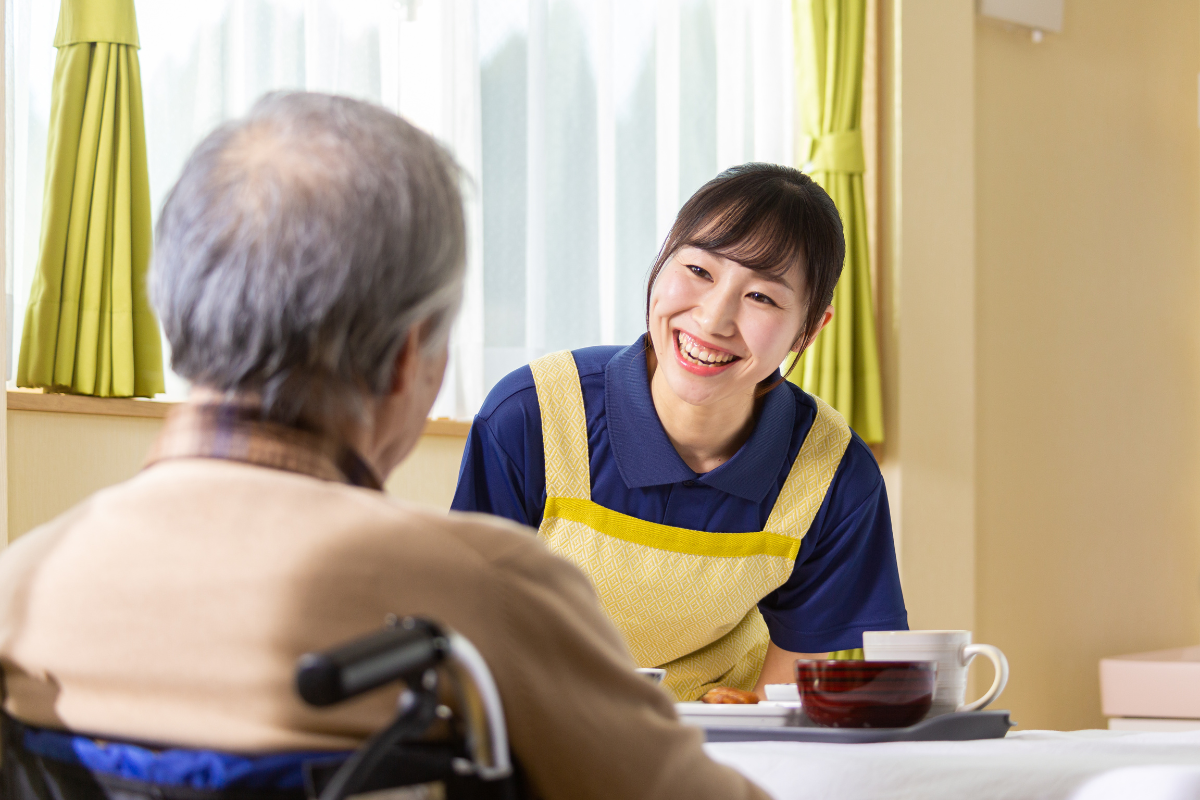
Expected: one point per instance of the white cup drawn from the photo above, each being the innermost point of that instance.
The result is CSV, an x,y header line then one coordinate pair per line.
x,y
953,652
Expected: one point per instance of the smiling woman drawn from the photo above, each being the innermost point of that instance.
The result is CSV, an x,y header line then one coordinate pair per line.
x,y
745,277
729,521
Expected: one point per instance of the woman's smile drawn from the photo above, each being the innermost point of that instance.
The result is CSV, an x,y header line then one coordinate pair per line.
x,y
729,327
700,357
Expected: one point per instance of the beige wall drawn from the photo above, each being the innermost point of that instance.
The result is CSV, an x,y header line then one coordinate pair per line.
x,y
1040,325
56,459
1088,347
429,475
927,311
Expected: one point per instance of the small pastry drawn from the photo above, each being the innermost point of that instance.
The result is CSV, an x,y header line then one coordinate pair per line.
x,y
725,695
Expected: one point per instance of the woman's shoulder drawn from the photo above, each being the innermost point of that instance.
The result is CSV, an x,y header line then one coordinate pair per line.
x,y
858,465
517,391
514,389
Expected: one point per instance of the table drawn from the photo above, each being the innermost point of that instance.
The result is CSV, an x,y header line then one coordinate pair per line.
x,y
1030,765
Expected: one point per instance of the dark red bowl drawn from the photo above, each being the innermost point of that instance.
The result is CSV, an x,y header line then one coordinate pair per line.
x,y
866,694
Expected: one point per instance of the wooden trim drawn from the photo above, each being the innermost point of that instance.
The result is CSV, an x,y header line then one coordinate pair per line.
x,y
446,427
26,400
32,400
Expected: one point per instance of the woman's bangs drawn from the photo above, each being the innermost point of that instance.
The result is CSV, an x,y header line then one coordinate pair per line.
x,y
765,237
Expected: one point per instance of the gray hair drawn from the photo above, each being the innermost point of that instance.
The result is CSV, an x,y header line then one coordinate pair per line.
x,y
298,249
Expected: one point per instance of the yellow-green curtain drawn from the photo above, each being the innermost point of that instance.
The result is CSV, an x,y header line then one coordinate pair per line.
x,y
848,655
89,328
842,365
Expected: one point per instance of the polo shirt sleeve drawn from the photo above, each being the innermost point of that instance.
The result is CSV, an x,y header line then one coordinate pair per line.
x,y
846,579
503,468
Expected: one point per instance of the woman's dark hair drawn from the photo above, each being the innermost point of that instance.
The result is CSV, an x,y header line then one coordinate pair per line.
x,y
768,218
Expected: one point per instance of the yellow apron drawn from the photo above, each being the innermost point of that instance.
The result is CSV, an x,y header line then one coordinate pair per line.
x,y
685,600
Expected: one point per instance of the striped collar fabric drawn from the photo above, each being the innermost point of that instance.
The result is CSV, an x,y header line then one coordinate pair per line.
x,y
234,430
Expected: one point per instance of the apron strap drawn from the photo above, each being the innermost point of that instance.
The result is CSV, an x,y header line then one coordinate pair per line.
x,y
813,470
564,426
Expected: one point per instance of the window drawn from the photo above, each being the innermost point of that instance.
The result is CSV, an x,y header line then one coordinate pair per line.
x,y
583,125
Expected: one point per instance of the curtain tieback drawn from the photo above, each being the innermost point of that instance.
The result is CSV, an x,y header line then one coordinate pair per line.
x,y
833,152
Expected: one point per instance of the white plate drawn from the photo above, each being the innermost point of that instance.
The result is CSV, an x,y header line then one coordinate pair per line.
x,y
767,714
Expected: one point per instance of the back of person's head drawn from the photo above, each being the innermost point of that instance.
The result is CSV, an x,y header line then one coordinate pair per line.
x,y
770,218
299,248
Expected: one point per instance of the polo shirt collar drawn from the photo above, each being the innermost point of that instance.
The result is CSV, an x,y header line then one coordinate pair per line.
x,y
646,457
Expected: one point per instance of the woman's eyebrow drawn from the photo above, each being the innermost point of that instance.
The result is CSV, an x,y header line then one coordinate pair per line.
x,y
773,278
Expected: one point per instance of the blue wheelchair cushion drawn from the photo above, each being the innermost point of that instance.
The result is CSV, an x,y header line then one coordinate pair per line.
x,y
196,769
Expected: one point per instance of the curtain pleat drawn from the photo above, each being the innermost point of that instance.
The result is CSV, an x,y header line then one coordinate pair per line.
x,y
88,327
842,365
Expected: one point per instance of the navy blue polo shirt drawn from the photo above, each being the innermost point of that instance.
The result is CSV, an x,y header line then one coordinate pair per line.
x,y
845,580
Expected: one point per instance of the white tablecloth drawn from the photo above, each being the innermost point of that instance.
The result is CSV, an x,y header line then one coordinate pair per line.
x,y
1029,765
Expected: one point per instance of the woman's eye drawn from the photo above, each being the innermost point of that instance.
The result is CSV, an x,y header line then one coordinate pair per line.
x,y
759,297
699,272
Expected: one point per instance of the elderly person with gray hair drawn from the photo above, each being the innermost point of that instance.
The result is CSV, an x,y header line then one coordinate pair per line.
x,y
309,264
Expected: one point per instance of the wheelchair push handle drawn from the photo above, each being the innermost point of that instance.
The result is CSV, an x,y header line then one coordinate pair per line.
x,y
410,649
401,651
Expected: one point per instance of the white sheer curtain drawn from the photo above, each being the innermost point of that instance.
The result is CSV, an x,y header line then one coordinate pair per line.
x,y
599,118
582,126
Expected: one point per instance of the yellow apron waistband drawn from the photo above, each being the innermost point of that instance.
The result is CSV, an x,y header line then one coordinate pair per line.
x,y
665,537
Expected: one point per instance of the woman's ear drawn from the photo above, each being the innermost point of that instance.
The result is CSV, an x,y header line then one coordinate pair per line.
x,y
802,344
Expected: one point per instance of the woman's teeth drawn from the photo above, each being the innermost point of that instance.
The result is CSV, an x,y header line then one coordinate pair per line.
x,y
694,352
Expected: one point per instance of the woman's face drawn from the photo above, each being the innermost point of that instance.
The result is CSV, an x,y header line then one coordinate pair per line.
x,y
719,328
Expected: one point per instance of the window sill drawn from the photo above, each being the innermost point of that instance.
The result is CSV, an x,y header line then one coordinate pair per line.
x,y
34,400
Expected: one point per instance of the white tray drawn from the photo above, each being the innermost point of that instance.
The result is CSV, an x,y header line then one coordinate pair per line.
x,y
957,727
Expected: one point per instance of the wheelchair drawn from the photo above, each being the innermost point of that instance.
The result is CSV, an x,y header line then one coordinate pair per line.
x,y
430,750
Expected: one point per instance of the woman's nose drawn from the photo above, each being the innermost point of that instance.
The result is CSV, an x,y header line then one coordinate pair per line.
x,y
716,312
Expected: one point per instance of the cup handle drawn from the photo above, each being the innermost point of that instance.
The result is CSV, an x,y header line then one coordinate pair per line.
x,y
1001,665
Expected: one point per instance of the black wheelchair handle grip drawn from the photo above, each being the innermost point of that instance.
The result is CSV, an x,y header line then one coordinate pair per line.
x,y
403,651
